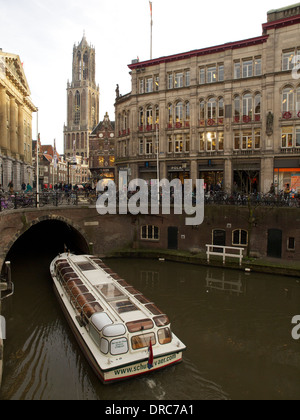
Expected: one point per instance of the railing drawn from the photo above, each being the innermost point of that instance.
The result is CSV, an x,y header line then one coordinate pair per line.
x,y
50,198
224,252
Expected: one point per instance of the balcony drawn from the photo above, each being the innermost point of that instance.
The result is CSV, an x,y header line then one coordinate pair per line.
x,y
288,115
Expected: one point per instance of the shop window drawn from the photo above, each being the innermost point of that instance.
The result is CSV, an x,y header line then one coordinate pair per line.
x,y
291,244
240,237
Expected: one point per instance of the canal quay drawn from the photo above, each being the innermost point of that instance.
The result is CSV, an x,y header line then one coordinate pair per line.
x,y
236,324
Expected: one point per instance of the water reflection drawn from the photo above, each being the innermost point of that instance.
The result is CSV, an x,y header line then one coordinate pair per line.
x,y
237,329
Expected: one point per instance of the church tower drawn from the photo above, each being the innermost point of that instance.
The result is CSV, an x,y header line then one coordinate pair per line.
x,y
82,102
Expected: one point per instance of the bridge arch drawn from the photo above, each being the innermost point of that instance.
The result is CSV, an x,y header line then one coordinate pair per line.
x,y
50,234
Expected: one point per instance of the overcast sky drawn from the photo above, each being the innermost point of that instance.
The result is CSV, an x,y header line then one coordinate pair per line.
x,y
43,32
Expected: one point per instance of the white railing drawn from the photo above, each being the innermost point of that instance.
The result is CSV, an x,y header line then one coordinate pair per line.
x,y
224,251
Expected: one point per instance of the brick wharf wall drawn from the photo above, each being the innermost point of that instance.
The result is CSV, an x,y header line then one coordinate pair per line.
x,y
114,232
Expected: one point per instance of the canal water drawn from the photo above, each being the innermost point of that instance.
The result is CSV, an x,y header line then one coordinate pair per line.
x,y
236,326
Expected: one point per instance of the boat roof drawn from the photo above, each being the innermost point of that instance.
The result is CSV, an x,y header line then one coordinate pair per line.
x,y
119,299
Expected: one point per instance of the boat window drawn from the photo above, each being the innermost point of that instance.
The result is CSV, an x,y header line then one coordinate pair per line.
x,y
104,344
161,320
164,336
124,306
132,290
114,330
142,299
143,340
154,309
110,291
141,325
119,346
85,266
123,283
101,320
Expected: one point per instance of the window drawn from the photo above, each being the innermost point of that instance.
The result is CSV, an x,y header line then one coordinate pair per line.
x,y
170,115
149,85
237,108
178,80
287,137
221,73
221,108
211,109
156,83
211,139
201,142
149,147
287,60
141,84
141,117
187,78
247,68
237,70
212,74
257,106
247,107
298,136
240,237
247,140
141,146
257,67
202,110
77,108
178,143
164,336
236,140
142,341
202,76
179,113
287,100
291,244
149,116
170,81
149,232
257,137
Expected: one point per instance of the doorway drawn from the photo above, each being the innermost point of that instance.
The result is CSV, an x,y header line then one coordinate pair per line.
x,y
274,243
172,237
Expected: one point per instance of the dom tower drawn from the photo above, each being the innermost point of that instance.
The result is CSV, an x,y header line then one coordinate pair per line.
x,y
82,102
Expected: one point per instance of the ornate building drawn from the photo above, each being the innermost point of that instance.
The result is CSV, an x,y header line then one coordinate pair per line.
x,y
228,114
82,102
16,110
102,150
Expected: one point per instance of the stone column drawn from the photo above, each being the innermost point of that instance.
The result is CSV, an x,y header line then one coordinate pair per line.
x,y
21,142
228,176
3,119
7,172
13,126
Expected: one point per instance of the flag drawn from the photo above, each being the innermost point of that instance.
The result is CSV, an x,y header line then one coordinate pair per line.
x,y
150,360
150,2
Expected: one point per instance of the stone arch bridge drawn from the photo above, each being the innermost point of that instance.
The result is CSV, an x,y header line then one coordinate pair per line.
x,y
80,229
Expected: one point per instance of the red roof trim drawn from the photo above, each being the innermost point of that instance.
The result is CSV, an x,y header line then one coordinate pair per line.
x,y
292,20
203,51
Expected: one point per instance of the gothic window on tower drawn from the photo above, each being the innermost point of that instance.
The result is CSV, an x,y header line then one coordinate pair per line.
x,y
85,66
79,66
77,108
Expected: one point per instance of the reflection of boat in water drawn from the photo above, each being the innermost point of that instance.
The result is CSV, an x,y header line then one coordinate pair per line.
x,y
121,332
232,286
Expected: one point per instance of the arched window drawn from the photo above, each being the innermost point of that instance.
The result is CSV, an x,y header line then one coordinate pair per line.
x,y
179,114
257,106
157,114
77,108
170,115
149,117
247,107
211,109
202,111
187,112
240,237
141,118
221,108
287,101
79,66
237,108
85,66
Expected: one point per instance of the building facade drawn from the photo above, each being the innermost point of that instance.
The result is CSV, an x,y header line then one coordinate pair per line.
x,y
102,150
228,114
82,102
16,109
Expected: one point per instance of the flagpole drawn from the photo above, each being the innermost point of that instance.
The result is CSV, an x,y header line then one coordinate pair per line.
x,y
151,26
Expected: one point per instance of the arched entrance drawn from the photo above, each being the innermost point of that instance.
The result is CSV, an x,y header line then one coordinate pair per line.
x,y
47,238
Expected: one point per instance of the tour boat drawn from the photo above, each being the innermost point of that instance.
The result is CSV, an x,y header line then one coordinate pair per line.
x,y
121,332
